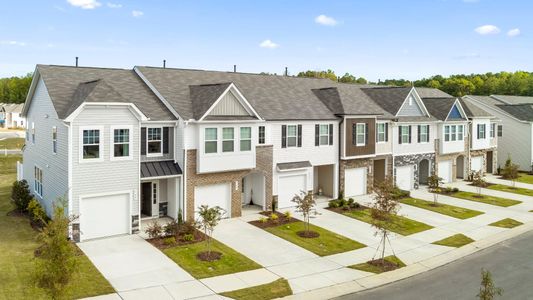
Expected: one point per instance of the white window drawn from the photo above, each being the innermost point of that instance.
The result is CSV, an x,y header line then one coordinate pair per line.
x,y
154,192
246,138
454,133
211,140
91,144
292,135
480,131
154,141
323,135
460,132
32,133
38,181
121,143
228,137
382,135
360,134
492,130
54,139
424,133
446,133
261,139
404,133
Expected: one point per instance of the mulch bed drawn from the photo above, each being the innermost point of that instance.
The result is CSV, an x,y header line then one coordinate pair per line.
x,y
341,210
384,265
308,234
209,256
282,219
486,185
180,240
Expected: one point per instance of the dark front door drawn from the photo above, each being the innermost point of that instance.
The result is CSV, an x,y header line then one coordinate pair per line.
x,y
489,162
146,199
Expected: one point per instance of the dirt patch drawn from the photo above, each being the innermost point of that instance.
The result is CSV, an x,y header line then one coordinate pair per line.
x,y
308,234
484,185
209,256
269,222
181,238
384,265
342,210
17,214
478,196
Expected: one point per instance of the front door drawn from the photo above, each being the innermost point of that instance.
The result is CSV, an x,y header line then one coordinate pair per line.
x,y
146,199
489,162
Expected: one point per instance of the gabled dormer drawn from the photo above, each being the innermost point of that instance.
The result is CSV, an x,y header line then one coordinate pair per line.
x,y
398,101
412,106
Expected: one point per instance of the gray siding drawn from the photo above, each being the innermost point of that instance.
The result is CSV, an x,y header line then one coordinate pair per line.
x,y
54,166
410,110
229,106
106,176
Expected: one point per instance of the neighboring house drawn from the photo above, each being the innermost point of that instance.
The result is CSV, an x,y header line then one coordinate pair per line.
x,y
512,134
10,115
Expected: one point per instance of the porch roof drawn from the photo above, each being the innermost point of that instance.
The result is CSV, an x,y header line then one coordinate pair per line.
x,y
166,168
294,165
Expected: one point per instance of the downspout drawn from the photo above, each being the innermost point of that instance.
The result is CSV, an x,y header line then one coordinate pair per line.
x,y
341,145
184,177
392,124
469,155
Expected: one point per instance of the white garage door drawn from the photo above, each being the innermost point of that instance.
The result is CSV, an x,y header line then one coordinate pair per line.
x,y
214,195
445,171
288,187
355,182
404,177
104,216
477,163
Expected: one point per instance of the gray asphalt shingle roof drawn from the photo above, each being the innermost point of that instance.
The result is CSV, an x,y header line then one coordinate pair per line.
x,y
349,99
203,97
439,107
69,86
523,112
389,98
473,110
514,99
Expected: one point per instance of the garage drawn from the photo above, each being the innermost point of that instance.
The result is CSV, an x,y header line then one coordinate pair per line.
x,y
445,171
404,177
104,216
355,182
214,195
288,187
477,163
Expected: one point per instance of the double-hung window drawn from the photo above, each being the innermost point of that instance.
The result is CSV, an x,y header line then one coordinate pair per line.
x,y
121,142
323,134
211,140
32,133
54,140
447,133
492,130
228,139
500,130
454,133
292,135
404,134
91,144
360,134
480,131
154,141
38,181
261,139
460,132
424,133
246,138
381,132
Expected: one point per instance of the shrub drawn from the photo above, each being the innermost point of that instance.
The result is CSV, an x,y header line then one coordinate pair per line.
x,y
37,213
351,201
288,214
356,205
171,229
154,230
341,194
398,193
333,204
263,220
188,227
342,202
346,207
188,237
274,205
455,190
274,217
180,217
169,240
20,194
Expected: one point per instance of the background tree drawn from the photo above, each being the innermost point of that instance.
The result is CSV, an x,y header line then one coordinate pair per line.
x,y
488,290
305,204
329,74
510,171
434,182
382,210
14,89
208,218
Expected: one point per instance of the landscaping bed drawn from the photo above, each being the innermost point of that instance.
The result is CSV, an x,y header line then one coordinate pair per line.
x,y
276,289
507,223
492,200
456,241
510,189
445,209
273,219
378,266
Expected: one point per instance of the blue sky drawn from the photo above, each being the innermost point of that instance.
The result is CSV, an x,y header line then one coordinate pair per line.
x,y
373,39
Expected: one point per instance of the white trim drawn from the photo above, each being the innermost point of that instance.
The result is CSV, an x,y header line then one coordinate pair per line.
x,y
31,91
156,92
360,156
239,97
461,110
413,153
35,181
147,179
357,144
131,106
296,136
160,153
100,144
112,142
384,132
417,99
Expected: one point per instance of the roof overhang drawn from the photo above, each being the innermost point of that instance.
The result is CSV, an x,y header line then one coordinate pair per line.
x,y
293,166
132,107
240,97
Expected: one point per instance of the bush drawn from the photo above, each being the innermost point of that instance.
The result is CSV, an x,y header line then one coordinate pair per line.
x,y
397,193
355,205
346,207
171,229
20,194
263,220
169,240
288,214
333,204
341,202
188,237
341,195
274,218
351,201
188,227
154,230
37,213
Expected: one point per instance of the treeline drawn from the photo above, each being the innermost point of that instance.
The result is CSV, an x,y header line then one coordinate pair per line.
x,y
504,83
14,89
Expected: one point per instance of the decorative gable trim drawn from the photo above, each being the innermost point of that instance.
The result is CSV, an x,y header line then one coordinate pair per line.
x,y
239,96
457,104
132,107
418,100
33,86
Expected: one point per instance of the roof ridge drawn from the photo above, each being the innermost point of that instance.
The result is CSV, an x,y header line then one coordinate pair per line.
x,y
83,67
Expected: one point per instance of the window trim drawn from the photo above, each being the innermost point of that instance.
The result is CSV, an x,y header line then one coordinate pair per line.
x,y
357,134
479,131
426,134
39,182
245,139
492,130
155,154
453,130
384,132
400,129
100,145
320,135
112,142
261,140
216,140
33,133
228,140
54,140
461,132
290,136
500,130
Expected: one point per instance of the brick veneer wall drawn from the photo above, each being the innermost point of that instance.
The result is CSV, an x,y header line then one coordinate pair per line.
x,y
263,166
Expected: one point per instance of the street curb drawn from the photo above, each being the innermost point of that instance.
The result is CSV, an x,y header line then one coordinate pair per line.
x,y
440,260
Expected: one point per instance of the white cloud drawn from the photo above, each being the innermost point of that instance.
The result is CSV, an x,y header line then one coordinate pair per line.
x,y
325,20
114,5
487,29
12,43
268,44
513,32
85,4
137,13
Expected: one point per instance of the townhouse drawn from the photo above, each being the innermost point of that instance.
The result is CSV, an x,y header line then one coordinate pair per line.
x,y
126,146
10,115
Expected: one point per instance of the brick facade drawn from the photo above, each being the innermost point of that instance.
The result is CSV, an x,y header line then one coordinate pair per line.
x,y
263,166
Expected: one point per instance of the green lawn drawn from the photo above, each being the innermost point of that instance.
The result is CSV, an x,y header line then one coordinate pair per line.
x,y
12,143
507,223
510,189
230,262
456,241
366,267
327,243
399,224
525,178
485,199
445,209
17,243
276,289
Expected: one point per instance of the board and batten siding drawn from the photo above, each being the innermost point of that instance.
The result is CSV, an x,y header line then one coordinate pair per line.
x,y
411,107
229,106
54,166
106,176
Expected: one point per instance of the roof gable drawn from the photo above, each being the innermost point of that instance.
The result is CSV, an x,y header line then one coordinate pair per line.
x,y
411,107
455,113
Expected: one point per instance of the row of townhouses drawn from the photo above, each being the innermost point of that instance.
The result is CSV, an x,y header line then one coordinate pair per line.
x,y
123,146
11,115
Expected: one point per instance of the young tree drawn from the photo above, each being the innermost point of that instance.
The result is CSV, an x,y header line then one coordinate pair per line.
x,y
57,262
208,218
510,170
434,182
478,181
20,194
384,208
305,204
488,290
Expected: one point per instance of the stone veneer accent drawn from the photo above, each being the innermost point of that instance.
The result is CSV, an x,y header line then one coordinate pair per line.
x,y
453,157
75,232
135,224
414,159
360,163
263,165
483,152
